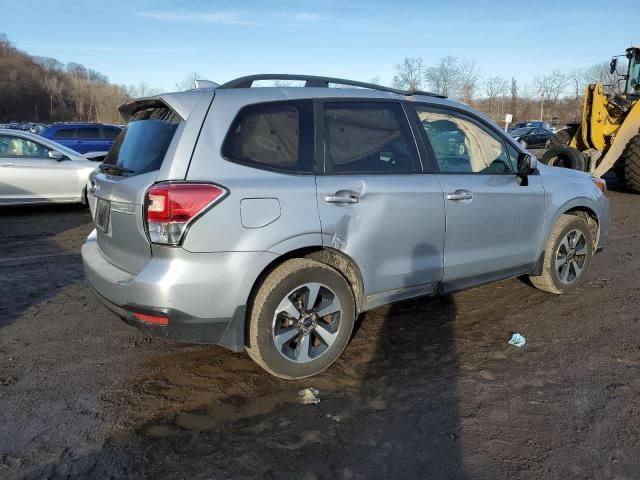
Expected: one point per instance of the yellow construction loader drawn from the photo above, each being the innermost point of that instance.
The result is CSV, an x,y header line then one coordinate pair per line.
x,y
608,136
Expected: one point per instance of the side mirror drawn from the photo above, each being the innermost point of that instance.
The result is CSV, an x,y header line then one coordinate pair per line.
x,y
526,164
613,65
55,155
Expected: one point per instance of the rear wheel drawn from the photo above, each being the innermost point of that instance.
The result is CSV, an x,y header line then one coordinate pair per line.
x,y
567,256
301,319
630,158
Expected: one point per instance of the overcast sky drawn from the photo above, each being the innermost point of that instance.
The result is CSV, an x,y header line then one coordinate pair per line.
x,y
162,41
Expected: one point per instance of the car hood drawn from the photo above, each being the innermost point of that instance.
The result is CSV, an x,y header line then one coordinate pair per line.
x,y
548,171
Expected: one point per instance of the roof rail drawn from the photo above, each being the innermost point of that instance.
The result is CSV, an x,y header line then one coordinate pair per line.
x,y
317,81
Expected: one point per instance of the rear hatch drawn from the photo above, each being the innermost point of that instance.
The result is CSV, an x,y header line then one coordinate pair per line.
x,y
152,139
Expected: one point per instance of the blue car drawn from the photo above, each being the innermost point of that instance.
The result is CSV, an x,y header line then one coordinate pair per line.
x,y
83,137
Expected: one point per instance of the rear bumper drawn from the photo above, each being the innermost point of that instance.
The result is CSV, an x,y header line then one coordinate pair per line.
x,y
203,295
227,332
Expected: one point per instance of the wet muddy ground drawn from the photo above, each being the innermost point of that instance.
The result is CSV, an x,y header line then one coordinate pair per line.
x,y
426,389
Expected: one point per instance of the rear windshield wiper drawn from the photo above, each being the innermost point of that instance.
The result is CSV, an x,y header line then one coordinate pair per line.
x,y
114,168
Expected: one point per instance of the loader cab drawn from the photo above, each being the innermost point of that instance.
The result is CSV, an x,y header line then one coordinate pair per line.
x,y
632,89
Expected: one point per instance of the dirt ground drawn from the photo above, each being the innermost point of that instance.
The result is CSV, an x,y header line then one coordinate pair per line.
x,y
426,388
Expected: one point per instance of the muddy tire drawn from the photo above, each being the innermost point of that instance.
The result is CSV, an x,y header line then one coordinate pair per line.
x,y
567,256
566,157
630,158
300,319
561,138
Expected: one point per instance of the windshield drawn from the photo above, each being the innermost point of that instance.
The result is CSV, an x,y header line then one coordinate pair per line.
x,y
633,83
142,145
521,131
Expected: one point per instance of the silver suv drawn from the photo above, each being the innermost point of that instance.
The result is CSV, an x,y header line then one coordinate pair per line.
x,y
268,219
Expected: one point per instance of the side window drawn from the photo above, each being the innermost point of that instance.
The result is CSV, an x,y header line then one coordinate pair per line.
x,y
513,156
21,148
88,133
368,138
110,133
272,136
64,133
462,146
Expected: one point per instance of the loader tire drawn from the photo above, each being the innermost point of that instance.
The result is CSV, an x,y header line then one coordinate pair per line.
x,y
561,138
631,159
566,157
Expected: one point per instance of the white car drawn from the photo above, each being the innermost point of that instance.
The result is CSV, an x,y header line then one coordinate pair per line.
x,y
37,170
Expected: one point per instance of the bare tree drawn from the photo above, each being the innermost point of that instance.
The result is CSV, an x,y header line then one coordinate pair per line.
x,y
189,81
469,77
78,79
600,72
513,109
142,89
54,87
444,76
578,79
409,74
495,88
550,87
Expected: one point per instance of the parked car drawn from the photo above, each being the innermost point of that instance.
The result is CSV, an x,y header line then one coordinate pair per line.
x,y
532,137
270,218
36,170
83,137
532,123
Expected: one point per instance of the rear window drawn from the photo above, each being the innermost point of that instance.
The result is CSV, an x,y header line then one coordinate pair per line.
x,y
145,140
65,133
272,136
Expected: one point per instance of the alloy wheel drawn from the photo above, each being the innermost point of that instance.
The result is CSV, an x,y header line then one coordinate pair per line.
x,y
571,256
306,322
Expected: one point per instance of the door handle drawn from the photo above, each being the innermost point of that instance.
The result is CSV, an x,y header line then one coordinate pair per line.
x,y
459,195
343,196
8,164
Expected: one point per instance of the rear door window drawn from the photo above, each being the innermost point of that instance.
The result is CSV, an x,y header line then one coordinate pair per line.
x,y
273,136
88,133
145,140
110,133
65,133
368,138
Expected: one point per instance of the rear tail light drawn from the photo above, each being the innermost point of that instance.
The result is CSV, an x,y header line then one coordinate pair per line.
x,y
171,207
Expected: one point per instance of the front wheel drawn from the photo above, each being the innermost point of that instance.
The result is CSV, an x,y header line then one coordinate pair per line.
x,y
567,256
301,319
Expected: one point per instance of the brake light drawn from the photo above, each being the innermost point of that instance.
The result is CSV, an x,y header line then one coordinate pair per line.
x,y
171,207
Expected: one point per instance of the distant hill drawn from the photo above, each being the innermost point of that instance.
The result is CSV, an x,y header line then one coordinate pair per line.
x,y
42,89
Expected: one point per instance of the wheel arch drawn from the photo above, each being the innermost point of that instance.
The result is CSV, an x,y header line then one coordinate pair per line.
x,y
589,214
336,259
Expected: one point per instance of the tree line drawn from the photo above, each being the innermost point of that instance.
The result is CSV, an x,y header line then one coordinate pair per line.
x,y
42,89
556,96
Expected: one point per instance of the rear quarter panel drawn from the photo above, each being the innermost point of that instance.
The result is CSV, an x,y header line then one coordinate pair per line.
x,y
265,210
